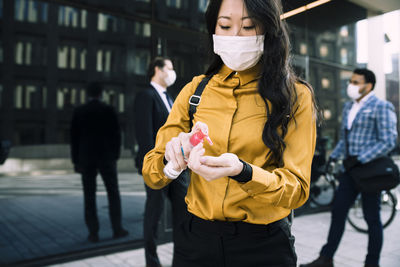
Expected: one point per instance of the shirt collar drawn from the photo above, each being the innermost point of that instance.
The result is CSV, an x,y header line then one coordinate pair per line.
x,y
158,87
245,76
365,98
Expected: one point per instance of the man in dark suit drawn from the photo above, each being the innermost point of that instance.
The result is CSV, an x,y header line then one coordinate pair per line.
x,y
95,147
152,107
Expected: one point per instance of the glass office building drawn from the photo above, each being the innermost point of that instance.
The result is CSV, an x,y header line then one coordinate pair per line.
x,y
49,50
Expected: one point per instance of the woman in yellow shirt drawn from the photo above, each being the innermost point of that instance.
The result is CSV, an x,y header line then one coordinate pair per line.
x,y
261,120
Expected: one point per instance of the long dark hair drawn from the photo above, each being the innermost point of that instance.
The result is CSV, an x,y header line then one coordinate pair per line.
x,y
277,82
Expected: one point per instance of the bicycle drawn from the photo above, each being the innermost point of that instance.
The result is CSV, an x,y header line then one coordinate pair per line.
x,y
323,188
323,182
355,216
388,212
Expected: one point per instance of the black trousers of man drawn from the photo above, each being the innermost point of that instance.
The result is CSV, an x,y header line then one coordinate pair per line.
x,y
175,192
108,172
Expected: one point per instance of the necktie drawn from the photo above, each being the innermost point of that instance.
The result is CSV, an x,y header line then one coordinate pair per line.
x,y
169,99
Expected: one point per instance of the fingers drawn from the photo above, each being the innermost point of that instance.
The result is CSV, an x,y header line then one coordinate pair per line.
x,y
185,144
215,161
173,153
200,126
194,157
211,168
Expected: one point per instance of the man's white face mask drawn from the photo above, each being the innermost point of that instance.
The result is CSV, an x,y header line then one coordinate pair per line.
x,y
239,52
353,91
171,77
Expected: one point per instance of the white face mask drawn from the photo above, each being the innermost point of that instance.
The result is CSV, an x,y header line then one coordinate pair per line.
x,y
171,77
239,52
353,91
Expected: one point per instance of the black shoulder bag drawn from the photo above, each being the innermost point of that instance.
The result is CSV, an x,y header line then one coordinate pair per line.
x,y
374,176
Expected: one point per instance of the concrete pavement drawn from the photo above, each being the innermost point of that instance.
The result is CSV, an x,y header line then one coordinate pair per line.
x,y
41,216
310,232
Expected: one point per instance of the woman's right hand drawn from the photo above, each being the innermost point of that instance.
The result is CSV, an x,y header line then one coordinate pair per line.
x,y
174,148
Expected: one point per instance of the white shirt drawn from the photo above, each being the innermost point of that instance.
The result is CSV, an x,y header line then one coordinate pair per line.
x,y
160,90
355,108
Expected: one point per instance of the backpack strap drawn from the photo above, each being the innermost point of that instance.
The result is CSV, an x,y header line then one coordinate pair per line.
x,y
195,99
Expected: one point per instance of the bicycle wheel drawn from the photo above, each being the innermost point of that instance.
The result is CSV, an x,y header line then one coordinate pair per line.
x,y
388,212
322,191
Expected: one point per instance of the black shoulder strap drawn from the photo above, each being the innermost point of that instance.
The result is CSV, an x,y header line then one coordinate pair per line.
x,y
194,100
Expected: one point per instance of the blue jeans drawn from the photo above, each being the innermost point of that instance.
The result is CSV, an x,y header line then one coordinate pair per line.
x,y
344,199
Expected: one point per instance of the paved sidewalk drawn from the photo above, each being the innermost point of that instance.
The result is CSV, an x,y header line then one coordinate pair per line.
x,y
41,216
310,232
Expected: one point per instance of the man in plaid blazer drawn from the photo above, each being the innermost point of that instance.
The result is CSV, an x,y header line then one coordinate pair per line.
x,y
368,131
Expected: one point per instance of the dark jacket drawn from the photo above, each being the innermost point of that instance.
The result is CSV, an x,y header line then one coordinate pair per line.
x,y
150,114
95,134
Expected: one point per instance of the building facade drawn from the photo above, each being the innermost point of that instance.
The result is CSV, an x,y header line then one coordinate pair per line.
x,y
50,50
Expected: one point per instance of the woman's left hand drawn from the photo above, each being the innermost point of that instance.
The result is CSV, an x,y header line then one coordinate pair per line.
x,y
211,168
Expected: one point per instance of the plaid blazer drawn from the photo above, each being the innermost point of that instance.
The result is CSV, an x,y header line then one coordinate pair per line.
x,y
372,134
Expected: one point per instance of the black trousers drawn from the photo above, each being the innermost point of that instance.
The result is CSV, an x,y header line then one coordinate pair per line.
x,y
175,192
108,172
234,244
345,196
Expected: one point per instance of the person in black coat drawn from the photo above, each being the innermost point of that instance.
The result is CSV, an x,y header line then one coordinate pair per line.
x,y
95,148
151,109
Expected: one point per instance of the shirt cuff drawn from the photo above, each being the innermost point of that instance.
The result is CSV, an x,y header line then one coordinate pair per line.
x,y
245,175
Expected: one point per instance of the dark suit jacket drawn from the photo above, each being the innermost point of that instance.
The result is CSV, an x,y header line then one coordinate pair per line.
x,y
150,114
95,134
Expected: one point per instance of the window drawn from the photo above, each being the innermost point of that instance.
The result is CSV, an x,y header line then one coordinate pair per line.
x,y
326,83
70,96
18,97
29,96
106,23
174,3
110,59
72,17
113,96
23,53
142,29
203,5
83,55
344,31
30,11
137,61
62,57
109,97
344,57
60,97
30,51
323,51
121,106
83,96
303,49
104,60
71,57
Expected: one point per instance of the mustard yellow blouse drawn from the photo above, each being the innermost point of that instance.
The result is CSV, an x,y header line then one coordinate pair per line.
x,y
235,115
